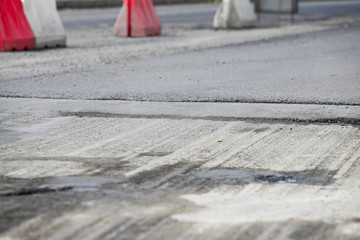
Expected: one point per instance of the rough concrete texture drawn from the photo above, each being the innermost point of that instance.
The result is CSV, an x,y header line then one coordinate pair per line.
x,y
71,174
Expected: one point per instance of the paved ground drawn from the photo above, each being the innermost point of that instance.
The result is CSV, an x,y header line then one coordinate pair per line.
x,y
175,67
264,71
250,134
202,14
128,170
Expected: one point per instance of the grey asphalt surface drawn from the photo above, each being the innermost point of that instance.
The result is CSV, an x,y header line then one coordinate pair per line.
x,y
202,14
320,67
300,69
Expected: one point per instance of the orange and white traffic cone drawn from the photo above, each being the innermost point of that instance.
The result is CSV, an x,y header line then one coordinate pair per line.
x,y
29,24
137,18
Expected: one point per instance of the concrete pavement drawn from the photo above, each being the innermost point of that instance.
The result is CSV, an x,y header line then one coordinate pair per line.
x,y
128,170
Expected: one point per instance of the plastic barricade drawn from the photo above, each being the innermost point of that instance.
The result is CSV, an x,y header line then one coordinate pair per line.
x,y
45,23
156,28
137,18
15,31
235,14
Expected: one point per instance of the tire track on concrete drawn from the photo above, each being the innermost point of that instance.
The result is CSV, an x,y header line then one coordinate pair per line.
x,y
239,144
169,137
300,149
178,155
113,139
346,166
134,145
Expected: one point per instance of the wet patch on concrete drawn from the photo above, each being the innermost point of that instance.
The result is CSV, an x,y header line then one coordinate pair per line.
x,y
186,175
302,177
252,175
165,183
153,154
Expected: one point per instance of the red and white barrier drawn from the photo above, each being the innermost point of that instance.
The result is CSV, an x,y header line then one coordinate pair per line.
x,y
137,18
15,31
45,23
29,24
235,14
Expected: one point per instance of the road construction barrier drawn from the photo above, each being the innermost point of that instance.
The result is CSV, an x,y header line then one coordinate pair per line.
x,y
45,23
137,18
15,31
234,14
29,24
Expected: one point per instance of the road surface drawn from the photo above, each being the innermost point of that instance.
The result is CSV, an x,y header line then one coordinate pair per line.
x,y
197,134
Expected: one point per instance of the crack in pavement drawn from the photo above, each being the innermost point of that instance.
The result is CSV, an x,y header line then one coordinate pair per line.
x,y
338,120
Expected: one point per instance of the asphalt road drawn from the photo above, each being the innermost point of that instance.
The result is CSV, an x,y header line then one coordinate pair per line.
x,y
187,63
202,15
300,69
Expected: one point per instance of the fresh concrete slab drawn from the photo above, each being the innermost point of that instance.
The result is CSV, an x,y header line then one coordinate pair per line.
x,y
96,170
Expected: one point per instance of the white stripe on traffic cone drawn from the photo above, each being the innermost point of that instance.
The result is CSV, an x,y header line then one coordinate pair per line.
x,y
45,23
